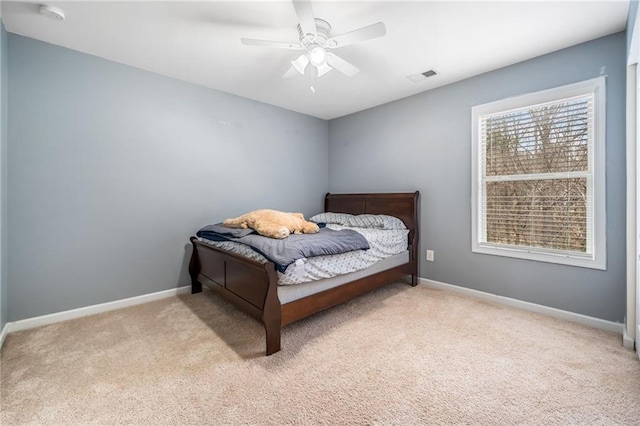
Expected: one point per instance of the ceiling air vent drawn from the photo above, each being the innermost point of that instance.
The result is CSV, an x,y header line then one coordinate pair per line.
x,y
419,77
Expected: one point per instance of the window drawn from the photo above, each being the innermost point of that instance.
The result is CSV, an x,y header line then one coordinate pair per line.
x,y
538,176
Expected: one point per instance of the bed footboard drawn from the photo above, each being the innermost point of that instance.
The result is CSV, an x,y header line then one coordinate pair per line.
x,y
250,285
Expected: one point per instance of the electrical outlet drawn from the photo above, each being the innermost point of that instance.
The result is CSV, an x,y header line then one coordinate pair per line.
x,y
430,255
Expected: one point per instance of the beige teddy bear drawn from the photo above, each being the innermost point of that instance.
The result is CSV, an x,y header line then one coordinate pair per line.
x,y
273,223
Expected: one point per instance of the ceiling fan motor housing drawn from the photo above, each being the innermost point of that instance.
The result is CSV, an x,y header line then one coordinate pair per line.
x,y
322,33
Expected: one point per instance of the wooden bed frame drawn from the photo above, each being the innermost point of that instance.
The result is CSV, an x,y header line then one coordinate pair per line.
x,y
253,286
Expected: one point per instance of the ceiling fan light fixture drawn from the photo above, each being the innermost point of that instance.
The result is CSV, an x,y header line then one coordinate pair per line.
x,y
301,63
323,69
317,54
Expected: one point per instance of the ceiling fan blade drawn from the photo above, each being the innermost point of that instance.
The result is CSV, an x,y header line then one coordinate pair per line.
x,y
341,65
291,72
305,16
269,43
361,34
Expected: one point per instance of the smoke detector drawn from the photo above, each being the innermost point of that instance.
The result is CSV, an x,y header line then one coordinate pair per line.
x,y
53,12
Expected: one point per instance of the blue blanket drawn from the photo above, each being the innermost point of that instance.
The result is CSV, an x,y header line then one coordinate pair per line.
x,y
296,246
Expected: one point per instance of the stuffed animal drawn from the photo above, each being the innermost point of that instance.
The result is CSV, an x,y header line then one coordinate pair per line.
x,y
273,223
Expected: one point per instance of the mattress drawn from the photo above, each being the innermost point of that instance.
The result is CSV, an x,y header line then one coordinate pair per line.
x,y
289,293
383,244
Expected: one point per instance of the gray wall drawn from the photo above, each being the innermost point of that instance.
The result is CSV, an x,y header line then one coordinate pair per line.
x,y
112,168
424,142
3,178
631,21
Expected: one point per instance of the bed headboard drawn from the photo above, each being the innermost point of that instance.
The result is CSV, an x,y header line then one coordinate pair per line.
x,y
403,205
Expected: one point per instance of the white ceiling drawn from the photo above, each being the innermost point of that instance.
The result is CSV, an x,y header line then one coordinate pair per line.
x,y
199,42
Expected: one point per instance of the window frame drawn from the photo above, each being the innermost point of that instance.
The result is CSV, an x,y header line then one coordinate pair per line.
x,y
597,260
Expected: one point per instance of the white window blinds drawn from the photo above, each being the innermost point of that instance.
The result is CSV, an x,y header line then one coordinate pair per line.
x,y
536,177
535,165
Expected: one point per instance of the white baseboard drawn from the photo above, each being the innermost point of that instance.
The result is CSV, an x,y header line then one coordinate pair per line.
x,y
28,323
627,341
3,334
615,327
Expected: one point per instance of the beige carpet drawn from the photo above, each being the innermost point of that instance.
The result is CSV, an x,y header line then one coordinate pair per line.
x,y
400,355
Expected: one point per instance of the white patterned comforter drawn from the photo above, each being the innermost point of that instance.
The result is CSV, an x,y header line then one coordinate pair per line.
x,y
382,243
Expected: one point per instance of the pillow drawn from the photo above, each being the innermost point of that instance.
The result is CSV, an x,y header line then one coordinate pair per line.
x,y
375,221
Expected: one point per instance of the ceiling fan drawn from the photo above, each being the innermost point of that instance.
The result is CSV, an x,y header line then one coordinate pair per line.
x,y
316,43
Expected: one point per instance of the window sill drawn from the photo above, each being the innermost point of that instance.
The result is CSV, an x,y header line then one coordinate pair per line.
x,y
530,254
